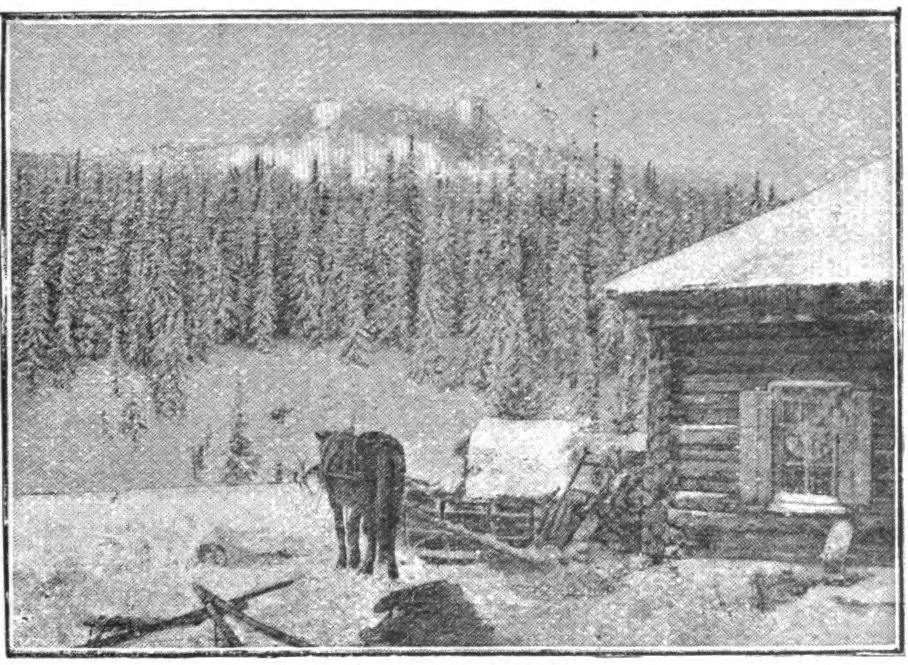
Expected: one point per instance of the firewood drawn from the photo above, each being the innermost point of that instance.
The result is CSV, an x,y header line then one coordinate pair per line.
x,y
139,628
223,633
226,607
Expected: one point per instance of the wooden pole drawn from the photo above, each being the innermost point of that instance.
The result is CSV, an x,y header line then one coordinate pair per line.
x,y
226,607
223,633
528,554
130,629
549,524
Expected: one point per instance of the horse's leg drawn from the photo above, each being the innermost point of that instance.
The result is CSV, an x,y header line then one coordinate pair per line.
x,y
338,510
368,564
354,518
387,546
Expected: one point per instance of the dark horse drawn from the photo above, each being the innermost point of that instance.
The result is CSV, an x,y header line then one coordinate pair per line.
x,y
363,474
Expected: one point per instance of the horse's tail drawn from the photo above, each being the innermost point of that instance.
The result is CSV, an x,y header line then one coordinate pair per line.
x,y
389,489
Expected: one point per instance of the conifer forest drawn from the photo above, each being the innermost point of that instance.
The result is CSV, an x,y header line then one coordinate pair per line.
x,y
494,281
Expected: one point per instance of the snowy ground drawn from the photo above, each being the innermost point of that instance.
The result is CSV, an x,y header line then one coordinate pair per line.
x,y
75,556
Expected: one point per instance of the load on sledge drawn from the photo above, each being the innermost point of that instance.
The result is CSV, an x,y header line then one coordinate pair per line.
x,y
518,484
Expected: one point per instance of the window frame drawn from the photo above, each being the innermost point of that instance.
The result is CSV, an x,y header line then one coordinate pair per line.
x,y
789,502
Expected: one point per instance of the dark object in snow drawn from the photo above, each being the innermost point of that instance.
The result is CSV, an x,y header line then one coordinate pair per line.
x,y
236,549
431,614
860,606
366,475
279,415
774,589
106,632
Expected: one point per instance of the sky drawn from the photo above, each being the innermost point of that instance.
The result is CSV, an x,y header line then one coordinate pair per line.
x,y
801,101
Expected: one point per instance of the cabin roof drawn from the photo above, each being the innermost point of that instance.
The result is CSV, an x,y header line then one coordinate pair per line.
x,y
842,233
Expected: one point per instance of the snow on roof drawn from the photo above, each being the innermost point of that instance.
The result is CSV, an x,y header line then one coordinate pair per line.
x,y
842,233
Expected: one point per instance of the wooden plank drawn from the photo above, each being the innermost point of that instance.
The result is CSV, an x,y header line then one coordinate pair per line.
x,y
785,345
710,470
552,522
698,415
724,381
746,316
841,367
714,436
704,485
755,449
755,521
708,501
721,400
704,453
875,337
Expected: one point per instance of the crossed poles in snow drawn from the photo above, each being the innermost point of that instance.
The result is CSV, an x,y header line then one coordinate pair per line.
x,y
107,632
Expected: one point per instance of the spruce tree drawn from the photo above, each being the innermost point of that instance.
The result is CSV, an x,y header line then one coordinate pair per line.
x,y
132,420
571,353
307,266
483,288
385,258
36,327
756,204
334,243
91,333
169,368
356,347
435,319
65,353
263,314
114,362
771,200
610,253
116,269
138,325
168,354
509,358
513,390
242,461
411,247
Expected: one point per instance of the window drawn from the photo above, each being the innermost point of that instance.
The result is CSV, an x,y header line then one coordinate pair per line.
x,y
805,444
808,421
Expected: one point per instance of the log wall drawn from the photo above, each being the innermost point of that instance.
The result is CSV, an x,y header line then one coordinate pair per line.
x,y
712,365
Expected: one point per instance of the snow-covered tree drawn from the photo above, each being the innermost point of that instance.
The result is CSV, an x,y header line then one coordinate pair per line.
x,y
242,461
263,313
36,327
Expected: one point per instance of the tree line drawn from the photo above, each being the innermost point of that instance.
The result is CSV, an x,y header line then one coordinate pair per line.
x,y
496,282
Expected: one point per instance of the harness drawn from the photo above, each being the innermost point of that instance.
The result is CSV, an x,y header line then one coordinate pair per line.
x,y
345,455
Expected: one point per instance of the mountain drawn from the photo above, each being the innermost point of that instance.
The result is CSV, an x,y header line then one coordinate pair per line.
x,y
458,136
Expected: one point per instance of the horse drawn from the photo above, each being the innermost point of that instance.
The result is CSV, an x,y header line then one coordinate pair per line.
x,y
363,474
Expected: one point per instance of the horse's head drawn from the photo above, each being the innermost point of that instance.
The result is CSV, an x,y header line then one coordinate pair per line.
x,y
330,437
327,439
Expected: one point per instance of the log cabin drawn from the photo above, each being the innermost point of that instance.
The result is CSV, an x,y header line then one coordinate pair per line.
x,y
771,374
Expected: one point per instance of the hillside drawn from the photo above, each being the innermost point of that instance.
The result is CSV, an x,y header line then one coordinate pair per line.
x,y
67,441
